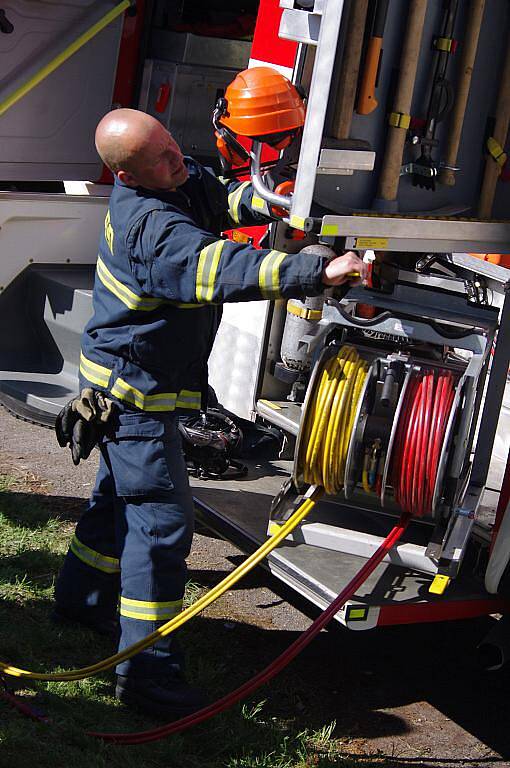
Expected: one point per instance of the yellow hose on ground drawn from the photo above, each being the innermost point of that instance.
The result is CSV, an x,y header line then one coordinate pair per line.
x,y
327,430
216,592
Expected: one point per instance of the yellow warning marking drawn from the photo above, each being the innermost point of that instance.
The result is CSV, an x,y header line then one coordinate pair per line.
x,y
439,584
375,243
269,404
273,528
357,613
297,222
330,230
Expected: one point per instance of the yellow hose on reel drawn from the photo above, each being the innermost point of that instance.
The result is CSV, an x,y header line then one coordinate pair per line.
x,y
328,425
330,418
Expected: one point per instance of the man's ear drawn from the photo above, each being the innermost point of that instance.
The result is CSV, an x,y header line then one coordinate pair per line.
x,y
127,178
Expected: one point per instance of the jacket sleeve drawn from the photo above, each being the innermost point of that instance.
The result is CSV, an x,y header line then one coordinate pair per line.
x,y
174,259
245,207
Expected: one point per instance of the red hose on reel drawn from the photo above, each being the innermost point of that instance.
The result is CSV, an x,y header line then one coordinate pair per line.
x,y
420,435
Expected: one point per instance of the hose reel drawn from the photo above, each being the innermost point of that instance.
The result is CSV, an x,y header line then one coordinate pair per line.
x,y
379,426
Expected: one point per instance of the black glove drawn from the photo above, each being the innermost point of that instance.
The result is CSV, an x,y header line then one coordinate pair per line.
x,y
82,422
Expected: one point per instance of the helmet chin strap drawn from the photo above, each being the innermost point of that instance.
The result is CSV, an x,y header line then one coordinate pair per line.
x,y
230,150
282,201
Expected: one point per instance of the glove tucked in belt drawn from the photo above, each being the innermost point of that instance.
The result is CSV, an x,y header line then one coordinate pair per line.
x,y
82,422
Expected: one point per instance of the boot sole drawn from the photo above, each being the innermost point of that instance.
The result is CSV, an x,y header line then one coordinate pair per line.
x,y
151,707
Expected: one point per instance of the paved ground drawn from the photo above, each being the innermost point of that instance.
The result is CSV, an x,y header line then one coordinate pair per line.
x,y
412,694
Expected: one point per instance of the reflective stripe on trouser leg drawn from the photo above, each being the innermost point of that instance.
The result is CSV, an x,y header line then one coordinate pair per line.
x,y
156,530
89,582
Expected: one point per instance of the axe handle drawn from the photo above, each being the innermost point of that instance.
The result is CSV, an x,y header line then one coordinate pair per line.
x,y
469,48
367,101
390,173
492,169
348,80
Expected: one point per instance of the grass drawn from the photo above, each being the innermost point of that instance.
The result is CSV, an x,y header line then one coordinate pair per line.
x,y
261,733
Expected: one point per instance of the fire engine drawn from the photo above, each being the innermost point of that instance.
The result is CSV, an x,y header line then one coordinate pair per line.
x,y
391,396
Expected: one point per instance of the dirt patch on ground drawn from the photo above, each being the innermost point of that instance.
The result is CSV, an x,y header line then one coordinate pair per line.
x,y
402,696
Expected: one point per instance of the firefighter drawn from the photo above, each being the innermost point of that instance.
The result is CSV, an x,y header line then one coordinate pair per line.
x,y
163,269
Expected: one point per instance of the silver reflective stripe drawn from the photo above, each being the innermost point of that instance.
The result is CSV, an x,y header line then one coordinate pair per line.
x,y
145,610
94,559
123,293
269,274
93,372
187,399
163,401
206,270
234,199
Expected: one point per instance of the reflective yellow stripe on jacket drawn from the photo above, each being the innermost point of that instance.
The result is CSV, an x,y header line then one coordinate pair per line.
x,y
269,274
108,231
234,199
93,372
163,401
149,611
122,292
206,271
132,300
94,559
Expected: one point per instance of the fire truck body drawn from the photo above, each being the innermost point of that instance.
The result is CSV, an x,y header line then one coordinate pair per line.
x,y
438,308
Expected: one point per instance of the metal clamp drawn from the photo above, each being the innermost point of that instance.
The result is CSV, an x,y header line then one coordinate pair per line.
x,y
421,170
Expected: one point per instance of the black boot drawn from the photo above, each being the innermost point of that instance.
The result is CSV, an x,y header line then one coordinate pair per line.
x,y
105,627
169,697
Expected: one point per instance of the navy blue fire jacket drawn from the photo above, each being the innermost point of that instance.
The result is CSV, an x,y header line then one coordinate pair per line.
x,y
162,270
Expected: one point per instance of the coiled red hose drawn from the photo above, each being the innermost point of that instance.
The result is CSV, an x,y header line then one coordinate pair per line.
x,y
420,435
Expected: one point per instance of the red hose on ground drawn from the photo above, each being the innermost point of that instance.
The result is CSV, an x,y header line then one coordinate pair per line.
x,y
277,665
25,709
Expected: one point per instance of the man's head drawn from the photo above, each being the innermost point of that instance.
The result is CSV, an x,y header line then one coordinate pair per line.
x,y
139,150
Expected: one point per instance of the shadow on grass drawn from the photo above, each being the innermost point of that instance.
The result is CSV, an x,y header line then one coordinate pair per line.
x,y
352,678
33,510
276,727
38,567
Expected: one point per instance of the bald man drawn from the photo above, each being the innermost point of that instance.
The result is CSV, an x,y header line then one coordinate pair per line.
x,y
163,270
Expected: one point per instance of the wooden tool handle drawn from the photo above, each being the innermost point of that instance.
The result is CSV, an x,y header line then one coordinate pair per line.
x,y
390,173
492,169
469,48
348,80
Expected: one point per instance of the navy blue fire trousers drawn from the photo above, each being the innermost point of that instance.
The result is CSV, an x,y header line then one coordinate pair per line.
x,y
128,552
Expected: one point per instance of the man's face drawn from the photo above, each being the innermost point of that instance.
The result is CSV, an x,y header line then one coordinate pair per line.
x,y
163,166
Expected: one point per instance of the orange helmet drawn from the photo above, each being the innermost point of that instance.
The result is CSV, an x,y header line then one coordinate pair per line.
x,y
261,104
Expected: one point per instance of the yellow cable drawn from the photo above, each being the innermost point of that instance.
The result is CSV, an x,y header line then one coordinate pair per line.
x,y
63,56
182,618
